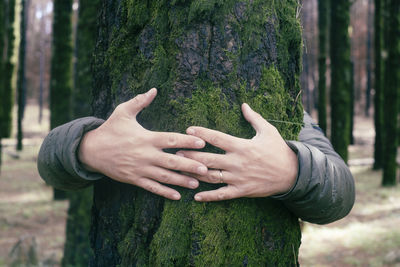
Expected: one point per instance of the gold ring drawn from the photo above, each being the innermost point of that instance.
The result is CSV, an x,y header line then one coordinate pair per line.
x,y
220,177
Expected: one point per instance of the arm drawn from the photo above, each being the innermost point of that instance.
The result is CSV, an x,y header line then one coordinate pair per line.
x,y
324,191
308,176
84,150
57,161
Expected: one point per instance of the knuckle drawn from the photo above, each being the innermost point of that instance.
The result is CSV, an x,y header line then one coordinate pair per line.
x,y
152,188
165,178
172,140
213,178
222,196
214,140
172,163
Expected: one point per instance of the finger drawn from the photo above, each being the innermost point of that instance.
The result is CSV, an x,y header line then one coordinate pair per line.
x,y
158,189
135,105
174,162
223,193
216,138
215,177
169,177
176,140
210,160
255,119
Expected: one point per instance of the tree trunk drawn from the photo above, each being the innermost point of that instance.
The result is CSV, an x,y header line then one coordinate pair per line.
x,y
206,58
378,100
21,83
391,91
7,10
6,50
77,251
61,70
340,73
351,111
369,60
323,26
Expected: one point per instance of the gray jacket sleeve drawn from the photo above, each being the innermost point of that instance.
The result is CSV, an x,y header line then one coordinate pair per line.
x,y
324,191
58,163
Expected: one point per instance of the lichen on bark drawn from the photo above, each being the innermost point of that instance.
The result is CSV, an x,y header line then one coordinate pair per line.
x,y
205,58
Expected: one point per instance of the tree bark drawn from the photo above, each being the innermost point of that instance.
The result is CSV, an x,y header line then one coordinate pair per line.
x,y
391,92
7,10
340,73
21,82
323,26
205,58
378,100
77,251
61,70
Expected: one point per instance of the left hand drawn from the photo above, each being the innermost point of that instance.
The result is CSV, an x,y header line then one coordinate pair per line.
x,y
259,167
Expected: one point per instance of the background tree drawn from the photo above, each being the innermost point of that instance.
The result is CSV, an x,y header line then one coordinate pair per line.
x,y
391,91
323,27
21,82
77,251
7,15
61,69
340,76
205,57
378,98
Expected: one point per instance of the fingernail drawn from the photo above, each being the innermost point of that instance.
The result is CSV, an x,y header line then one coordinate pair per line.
x,y
193,184
190,131
180,154
198,198
199,143
202,170
176,196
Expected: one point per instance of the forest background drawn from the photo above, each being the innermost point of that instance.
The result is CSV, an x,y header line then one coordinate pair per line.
x,y
32,225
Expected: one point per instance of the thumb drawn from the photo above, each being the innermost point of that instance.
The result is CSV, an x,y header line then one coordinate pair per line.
x,y
255,119
139,102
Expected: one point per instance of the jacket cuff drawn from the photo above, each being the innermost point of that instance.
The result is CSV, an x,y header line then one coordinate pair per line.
x,y
303,155
69,155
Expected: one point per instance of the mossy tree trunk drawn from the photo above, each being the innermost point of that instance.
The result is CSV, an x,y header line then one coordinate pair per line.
x,y
206,58
21,82
77,251
378,97
391,92
323,27
61,69
340,76
7,15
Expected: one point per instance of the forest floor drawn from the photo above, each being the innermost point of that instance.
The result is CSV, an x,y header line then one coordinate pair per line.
x,y
32,223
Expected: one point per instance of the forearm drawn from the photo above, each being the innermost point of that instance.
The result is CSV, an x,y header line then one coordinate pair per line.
x,y
58,163
324,191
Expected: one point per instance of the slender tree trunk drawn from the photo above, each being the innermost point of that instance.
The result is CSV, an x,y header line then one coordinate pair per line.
x,y
340,81
323,25
21,83
369,60
378,100
7,10
391,92
206,58
77,251
352,96
61,70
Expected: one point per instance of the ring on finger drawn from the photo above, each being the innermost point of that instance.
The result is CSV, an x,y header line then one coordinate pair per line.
x,y
221,178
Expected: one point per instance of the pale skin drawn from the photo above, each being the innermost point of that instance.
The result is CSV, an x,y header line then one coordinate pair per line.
x,y
126,152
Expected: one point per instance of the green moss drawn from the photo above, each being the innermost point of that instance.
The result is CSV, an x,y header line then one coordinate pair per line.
x,y
173,50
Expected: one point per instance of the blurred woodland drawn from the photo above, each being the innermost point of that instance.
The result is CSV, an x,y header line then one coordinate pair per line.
x,y
350,84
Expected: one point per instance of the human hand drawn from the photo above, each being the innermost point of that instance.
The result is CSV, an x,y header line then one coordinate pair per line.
x,y
259,167
126,152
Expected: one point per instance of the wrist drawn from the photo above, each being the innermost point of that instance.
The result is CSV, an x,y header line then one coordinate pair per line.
x,y
85,152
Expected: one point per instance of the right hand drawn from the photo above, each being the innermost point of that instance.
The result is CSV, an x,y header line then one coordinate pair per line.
x,y
126,152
